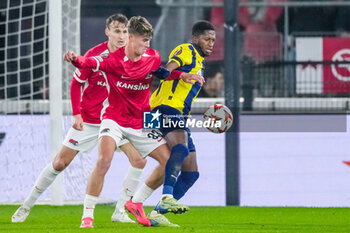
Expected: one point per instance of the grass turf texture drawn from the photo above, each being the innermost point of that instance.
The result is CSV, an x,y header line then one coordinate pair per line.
x,y
198,219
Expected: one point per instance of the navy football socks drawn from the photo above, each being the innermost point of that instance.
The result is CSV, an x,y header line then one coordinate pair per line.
x,y
172,169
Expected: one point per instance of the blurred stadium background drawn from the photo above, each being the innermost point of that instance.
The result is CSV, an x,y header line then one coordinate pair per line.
x,y
293,83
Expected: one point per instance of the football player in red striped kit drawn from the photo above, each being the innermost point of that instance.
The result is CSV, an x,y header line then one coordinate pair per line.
x,y
88,92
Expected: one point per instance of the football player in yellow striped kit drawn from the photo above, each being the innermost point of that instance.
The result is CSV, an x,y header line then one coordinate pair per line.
x,y
173,98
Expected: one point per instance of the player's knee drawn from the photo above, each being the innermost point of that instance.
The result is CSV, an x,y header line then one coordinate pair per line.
x,y
161,154
179,152
59,164
103,163
163,162
138,163
163,159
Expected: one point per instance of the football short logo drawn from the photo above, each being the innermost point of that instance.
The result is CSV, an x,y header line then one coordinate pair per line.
x,y
75,143
105,130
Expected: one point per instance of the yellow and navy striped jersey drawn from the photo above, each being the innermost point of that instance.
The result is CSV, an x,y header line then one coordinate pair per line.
x,y
177,93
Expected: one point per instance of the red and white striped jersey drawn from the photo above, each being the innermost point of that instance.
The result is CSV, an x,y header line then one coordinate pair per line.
x,y
128,84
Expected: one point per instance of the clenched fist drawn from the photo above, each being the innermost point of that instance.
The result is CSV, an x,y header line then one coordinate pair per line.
x,y
70,56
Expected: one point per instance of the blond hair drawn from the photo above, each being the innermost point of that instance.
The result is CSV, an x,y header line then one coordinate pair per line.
x,y
139,25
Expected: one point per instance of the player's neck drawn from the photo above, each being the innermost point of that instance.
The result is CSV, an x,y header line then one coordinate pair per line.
x,y
198,48
130,53
111,48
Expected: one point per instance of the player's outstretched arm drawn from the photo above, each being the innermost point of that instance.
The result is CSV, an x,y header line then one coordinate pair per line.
x,y
163,73
172,66
186,77
82,62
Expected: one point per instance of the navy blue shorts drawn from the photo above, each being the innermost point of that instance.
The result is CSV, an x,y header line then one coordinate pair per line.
x,y
175,116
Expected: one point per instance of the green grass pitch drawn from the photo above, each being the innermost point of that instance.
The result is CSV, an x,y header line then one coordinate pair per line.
x,y
198,219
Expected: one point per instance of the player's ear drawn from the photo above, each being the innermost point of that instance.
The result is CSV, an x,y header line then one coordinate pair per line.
x,y
107,32
195,39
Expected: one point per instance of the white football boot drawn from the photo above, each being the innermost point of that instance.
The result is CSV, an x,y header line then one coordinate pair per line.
x,y
21,214
121,216
159,220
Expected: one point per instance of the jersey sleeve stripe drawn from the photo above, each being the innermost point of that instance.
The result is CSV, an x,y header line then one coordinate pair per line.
x,y
78,79
177,60
98,64
77,71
